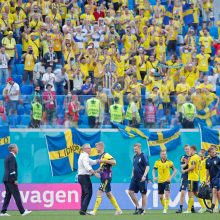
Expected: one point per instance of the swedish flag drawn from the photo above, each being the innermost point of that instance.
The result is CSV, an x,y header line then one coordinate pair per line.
x,y
206,117
187,14
210,137
129,132
4,141
168,15
65,148
165,140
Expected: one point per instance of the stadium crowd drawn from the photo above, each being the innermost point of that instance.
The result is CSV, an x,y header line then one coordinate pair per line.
x,y
91,63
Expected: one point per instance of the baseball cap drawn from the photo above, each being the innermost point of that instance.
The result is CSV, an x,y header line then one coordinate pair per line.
x,y
10,79
10,32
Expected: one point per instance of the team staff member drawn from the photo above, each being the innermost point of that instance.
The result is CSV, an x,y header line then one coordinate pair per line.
x,y
163,166
184,177
213,171
10,180
193,180
139,178
84,172
106,163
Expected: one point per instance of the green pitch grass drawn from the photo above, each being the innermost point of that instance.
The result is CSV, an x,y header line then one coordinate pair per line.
x,y
109,215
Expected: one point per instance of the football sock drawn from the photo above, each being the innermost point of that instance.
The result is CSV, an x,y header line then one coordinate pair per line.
x,y
162,201
201,202
190,203
114,203
166,204
97,203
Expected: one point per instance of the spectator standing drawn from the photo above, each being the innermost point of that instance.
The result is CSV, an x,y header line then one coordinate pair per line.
x,y
150,114
73,108
77,81
39,71
103,101
49,78
11,95
49,101
29,62
10,48
4,58
87,87
51,57
61,78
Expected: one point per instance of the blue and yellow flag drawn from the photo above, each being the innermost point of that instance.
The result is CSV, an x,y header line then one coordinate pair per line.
x,y
65,148
164,140
210,137
4,141
129,132
206,117
168,15
187,14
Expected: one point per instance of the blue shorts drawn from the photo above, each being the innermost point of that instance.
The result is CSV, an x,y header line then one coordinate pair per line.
x,y
165,186
137,186
215,183
184,184
105,185
193,186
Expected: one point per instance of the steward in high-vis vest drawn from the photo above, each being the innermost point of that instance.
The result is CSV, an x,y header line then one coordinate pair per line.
x,y
188,113
37,111
116,113
93,106
132,114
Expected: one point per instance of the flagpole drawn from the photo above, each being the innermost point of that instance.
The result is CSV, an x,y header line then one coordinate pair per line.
x,y
200,133
49,155
148,146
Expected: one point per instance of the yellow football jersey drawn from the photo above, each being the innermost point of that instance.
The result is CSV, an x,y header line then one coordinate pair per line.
x,y
193,175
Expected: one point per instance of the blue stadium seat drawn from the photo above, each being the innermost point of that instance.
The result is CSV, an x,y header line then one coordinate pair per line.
x,y
17,79
218,91
26,89
20,110
58,66
1,89
27,109
18,69
2,122
214,32
14,120
60,100
25,120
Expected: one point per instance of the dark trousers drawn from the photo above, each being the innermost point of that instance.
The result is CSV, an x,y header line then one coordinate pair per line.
x,y
86,185
12,189
187,124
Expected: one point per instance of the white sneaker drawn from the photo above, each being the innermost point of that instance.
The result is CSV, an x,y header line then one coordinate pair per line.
x,y
187,212
4,215
165,211
26,212
215,211
92,213
202,210
118,212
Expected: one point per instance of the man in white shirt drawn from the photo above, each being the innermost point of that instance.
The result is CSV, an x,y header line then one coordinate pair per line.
x,y
39,71
61,78
11,95
84,172
49,78
4,58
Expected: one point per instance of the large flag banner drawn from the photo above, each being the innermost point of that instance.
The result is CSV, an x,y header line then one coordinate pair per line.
x,y
4,141
64,150
164,140
187,14
168,15
157,141
129,132
210,137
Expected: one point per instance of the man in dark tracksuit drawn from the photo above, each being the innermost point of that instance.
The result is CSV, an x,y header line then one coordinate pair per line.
x,y
11,182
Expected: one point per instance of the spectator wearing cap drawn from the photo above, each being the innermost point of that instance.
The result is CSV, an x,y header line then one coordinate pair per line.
x,y
73,111
49,102
10,48
4,58
102,97
49,78
198,99
51,57
34,41
29,62
118,91
37,93
190,39
61,79
38,72
11,95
